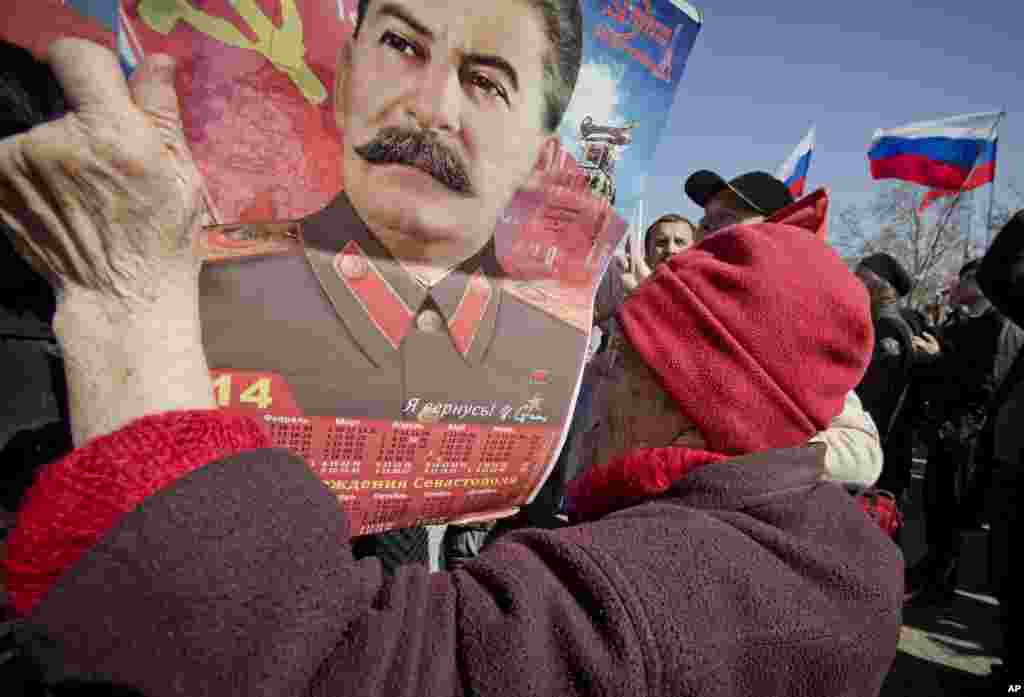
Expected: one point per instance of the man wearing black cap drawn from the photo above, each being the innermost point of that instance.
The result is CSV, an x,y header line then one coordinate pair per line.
x,y
854,455
884,386
749,198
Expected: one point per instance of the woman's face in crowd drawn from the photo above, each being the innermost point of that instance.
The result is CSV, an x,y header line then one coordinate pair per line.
x,y
632,409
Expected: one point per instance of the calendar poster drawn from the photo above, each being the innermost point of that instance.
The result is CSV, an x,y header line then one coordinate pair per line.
x,y
421,386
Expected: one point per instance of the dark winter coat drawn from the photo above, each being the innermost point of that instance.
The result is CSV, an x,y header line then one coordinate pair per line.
x,y
748,577
977,353
1001,278
889,372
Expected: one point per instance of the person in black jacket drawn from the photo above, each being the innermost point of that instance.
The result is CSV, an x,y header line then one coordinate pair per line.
x,y
913,414
1001,278
883,389
959,385
34,425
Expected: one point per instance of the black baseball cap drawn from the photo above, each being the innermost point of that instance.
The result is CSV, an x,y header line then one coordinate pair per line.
x,y
760,190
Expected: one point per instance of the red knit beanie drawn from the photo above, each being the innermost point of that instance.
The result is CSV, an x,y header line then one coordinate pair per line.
x,y
758,333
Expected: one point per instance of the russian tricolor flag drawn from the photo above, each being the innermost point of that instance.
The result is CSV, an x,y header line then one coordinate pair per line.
x,y
793,172
939,154
984,172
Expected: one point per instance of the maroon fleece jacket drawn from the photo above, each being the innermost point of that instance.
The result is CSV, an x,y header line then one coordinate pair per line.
x,y
748,577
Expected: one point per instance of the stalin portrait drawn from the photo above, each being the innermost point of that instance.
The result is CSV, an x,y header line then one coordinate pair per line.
x,y
391,299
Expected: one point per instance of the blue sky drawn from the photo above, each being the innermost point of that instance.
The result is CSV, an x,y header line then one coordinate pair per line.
x,y
761,73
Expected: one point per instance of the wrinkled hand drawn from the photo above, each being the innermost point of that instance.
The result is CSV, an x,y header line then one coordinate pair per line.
x,y
105,201
926,344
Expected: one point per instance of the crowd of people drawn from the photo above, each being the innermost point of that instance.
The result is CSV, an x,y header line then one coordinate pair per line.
x,y
703,531
950,383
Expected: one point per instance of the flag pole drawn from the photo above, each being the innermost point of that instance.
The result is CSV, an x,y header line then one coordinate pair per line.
x,y
970,226
988,221
992,192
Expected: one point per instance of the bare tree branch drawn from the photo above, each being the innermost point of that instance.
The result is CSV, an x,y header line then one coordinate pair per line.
x,y
926,246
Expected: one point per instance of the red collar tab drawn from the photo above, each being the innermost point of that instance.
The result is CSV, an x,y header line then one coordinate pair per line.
x,y
381,303
464,323
390,314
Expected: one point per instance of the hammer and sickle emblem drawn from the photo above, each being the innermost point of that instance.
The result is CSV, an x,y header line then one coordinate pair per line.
x,y
283,46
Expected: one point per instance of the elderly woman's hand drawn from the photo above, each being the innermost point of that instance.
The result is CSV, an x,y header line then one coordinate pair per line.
x,y
105,203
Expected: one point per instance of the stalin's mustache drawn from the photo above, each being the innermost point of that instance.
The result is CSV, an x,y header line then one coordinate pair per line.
x,y
419,149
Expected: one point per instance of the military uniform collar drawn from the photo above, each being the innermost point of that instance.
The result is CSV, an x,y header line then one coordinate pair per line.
x,y
379,300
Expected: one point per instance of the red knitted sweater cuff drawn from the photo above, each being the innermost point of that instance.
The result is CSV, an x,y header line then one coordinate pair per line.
x,y
78,498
